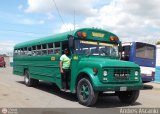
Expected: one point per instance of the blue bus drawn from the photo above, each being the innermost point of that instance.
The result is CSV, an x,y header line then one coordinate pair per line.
x,y
157,74
144,55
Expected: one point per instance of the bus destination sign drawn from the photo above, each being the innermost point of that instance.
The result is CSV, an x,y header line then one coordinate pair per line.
x,y
95,34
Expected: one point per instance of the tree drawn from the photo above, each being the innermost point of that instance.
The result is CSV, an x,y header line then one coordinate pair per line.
x,y
158,43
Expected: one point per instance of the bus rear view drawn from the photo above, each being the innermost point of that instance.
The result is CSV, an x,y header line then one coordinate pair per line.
x,y
143,54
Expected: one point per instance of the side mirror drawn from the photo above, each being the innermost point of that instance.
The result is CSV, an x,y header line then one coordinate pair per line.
x,y
120,48
71,42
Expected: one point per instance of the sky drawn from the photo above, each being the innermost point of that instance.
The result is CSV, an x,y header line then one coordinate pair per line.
x,y
131,20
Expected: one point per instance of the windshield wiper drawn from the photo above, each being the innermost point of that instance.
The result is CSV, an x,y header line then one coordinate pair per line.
x,y
88,52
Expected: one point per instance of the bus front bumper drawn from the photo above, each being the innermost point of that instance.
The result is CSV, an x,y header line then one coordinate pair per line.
x,y
147,78
118,87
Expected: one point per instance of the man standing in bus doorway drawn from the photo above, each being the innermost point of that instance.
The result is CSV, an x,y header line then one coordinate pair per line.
x,y
65,69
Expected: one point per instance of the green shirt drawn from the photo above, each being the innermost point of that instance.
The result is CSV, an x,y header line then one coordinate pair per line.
x,y
66,61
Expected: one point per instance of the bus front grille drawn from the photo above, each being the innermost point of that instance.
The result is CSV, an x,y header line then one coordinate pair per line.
x,y
122,74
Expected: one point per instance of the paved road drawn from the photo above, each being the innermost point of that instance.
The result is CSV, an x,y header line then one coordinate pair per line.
x,y
13,93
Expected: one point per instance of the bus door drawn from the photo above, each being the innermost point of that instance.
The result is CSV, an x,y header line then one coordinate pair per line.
x,y
75,58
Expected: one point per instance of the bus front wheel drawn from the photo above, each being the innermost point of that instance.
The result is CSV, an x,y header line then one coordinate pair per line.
x,y
85,93
128,97
29,81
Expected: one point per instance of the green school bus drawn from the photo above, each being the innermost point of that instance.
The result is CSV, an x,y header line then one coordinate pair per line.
x,y
95,64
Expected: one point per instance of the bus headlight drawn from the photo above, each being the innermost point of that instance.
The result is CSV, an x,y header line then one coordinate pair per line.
x,y
136,73
105,73
105,79
136,78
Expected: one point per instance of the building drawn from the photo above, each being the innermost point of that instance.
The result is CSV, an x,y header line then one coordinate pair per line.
x,y
9,61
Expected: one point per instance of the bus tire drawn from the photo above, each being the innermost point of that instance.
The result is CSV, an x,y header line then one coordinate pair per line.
x,y
27,79
85,93
35,82
128,97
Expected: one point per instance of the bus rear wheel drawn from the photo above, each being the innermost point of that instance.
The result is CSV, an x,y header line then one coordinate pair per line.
x,y
85,93
29,81
128,97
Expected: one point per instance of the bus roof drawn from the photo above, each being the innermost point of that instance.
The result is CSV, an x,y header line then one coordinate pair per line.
x,y
61,37
130,43
48,39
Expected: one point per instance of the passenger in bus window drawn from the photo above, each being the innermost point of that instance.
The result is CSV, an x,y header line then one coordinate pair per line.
x,y
65,69
57,52
29,53
34,53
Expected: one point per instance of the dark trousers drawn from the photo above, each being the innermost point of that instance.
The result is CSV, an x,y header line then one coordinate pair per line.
x,y
65,78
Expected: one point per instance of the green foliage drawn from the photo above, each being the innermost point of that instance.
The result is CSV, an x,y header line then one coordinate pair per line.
x,y
158,43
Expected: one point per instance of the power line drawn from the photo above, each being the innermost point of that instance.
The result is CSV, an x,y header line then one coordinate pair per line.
x,y
59,14
74,22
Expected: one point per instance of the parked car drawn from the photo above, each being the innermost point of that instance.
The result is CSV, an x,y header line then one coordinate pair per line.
x,y
2,62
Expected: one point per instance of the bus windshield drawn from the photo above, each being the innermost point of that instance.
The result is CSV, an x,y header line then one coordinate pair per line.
x,y
144,51
96,48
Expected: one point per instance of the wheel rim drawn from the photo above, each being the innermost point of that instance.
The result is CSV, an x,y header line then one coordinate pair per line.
x,y
84,91
26,80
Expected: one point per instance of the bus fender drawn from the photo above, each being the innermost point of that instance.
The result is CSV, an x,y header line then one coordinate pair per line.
x,y
87,72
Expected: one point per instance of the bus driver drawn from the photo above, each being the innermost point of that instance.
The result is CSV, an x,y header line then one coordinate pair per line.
x,y
65,69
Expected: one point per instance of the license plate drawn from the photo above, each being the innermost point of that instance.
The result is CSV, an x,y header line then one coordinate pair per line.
x,y
123,88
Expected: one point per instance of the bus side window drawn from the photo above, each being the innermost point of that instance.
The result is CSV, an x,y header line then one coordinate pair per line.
x,y
125,53
57,48
25,51
39,50
50,48
15,52
22,51
34,50
44,49
29,51
19,52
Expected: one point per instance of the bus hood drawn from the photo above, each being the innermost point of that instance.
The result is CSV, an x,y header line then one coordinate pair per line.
x,y
106,62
